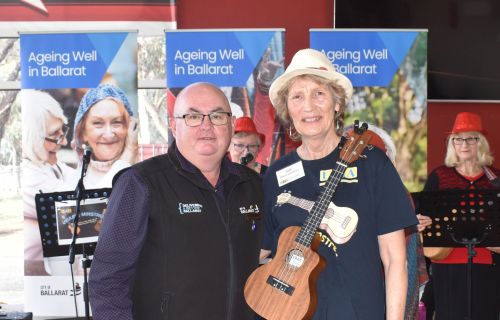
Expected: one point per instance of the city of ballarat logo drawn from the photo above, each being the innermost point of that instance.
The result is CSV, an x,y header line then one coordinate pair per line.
x,y
185,208
252,209
49,290
251,213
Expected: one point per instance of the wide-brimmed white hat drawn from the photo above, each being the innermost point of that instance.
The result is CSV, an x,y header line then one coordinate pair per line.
x,y
309,61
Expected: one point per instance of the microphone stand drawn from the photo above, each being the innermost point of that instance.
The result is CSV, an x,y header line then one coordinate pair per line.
x,y
471,253
79,192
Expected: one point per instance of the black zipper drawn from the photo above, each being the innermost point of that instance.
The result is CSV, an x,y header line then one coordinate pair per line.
x,y
230,288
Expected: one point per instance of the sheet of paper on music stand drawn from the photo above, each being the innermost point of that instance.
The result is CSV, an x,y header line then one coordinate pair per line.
x,y
89,224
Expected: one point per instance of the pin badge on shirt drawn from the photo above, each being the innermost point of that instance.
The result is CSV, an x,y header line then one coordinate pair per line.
x,y
252,213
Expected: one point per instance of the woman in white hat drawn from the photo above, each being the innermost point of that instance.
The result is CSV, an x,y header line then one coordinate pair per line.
x,y
310,98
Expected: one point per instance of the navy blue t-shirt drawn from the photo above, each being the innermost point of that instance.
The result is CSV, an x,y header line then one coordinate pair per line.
x,y
351,286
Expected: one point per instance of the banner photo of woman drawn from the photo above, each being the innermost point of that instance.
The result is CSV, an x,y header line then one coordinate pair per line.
x,y
79,92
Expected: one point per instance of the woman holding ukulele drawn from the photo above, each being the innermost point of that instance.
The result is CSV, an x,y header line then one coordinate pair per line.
x,y
310,98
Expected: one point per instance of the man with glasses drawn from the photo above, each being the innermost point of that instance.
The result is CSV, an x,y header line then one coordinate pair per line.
x,y
246,144
182,230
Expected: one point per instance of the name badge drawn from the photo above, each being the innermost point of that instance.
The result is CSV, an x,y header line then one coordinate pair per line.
x,y
290,173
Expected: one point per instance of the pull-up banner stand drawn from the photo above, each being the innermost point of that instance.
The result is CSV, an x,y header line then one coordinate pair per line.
x,y
243,62
388,70
61,67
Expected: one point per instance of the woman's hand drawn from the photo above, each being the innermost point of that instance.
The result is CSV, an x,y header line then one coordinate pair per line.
x,y
129,153
494,249
423,221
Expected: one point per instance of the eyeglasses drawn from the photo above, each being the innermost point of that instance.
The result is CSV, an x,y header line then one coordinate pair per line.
x,y
468,140
217,118
240,147
61,138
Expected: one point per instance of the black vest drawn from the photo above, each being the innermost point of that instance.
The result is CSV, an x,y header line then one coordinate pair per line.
x,y
198,251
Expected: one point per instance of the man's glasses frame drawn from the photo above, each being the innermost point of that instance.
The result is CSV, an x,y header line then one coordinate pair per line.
x,y
469,140
217,118
61,138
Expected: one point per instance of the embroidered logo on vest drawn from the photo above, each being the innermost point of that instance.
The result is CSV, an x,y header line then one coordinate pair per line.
x,y
252,213
190,208
252,209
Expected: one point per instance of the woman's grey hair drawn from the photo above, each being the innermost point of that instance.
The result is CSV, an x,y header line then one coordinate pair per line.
x,y
36,107
338,93
390,146
243,134
483,155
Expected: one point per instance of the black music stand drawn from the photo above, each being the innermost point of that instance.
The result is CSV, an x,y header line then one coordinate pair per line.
x,y
55,211
470,218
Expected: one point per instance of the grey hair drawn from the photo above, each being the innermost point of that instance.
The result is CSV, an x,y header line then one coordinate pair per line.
x,y
36,107
390,146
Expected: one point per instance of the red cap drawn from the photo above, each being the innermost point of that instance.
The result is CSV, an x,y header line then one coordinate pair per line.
x,y
467,121
245,124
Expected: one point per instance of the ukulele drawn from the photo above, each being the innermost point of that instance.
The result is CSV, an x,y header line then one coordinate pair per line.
x,y
285,288
342,221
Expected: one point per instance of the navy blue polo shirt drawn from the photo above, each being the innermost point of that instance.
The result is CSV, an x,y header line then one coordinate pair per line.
x,y
351,286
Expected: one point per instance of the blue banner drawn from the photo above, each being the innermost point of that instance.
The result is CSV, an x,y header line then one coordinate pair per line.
x,y
67,60
225,58
367,58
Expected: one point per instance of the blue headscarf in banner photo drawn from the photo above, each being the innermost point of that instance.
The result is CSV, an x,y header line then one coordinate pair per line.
x,y
367,58
224,58
67,60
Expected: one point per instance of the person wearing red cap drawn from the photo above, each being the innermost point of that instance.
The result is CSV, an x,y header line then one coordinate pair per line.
x,y
466,166
246,144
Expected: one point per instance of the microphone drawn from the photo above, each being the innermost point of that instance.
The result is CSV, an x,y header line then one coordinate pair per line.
x,y
80,189
246,159
87,152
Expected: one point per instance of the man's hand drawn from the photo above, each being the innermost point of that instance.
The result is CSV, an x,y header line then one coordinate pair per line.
x,y
129,153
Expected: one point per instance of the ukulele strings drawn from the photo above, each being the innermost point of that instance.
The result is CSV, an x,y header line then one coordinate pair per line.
x,y
286,270
307,205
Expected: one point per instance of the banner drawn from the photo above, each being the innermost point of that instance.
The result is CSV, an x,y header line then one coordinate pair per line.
x,y
72,60
388,69
242,62
79,91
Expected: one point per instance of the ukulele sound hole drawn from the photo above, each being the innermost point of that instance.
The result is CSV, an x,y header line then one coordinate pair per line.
x,y
295,258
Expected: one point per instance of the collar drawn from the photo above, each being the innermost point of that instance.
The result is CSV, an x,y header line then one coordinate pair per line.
x,y
227,167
